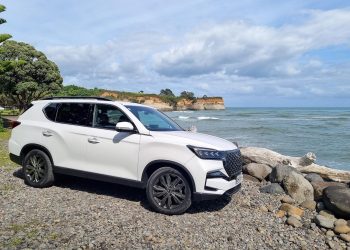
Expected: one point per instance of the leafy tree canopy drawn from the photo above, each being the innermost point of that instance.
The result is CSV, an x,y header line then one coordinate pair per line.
x,y
3,37
73,90
29,75
187,95
166,92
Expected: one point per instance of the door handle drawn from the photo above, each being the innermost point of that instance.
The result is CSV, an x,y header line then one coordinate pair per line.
x,y
93,140
47,133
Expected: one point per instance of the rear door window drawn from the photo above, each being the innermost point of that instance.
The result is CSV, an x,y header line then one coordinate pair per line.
x,y
75,113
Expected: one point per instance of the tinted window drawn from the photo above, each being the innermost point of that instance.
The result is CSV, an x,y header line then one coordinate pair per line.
x,y
50,111
153,120
107,116
75,113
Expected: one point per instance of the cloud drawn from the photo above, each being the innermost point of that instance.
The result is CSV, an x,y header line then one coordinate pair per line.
x,y
244,49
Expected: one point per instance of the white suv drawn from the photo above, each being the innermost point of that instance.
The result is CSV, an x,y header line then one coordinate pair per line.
x,y
126,143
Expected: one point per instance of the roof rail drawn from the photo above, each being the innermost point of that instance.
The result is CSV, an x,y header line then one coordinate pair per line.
x,y
76,97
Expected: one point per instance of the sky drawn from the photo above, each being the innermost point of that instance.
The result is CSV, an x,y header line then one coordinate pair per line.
x,y
253,53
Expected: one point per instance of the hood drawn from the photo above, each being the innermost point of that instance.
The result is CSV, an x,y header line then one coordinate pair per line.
x,y
196,139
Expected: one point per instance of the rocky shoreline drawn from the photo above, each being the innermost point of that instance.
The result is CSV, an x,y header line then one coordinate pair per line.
x,y
268,213
304,186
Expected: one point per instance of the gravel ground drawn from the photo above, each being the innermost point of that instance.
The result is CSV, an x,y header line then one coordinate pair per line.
x,y
79,213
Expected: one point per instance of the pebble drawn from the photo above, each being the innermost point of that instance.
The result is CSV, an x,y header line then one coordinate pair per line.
x,y
292,210
327,214
345,237
340,222
309,204
287,199
294,222
280,214
330,233
342,229
263,208
324,221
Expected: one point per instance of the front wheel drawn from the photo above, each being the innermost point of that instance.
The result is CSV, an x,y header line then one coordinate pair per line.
x,y
37,169
168,191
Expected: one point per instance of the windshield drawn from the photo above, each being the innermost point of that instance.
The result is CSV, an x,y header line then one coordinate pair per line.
x,y
152,119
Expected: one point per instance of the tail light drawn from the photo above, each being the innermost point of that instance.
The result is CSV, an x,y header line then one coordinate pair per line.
x,y
15,124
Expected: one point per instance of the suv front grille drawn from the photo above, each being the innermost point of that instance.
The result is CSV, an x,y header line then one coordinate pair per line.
x,y
233,163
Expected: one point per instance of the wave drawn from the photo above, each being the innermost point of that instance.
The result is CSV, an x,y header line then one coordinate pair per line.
x,y
207,118
182,111
183,117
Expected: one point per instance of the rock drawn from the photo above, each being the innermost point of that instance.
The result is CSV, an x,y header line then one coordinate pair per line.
x,y
287,199
295,216
320,186
324,221
292,210
279,172
309,204
270,208
320,206
273,188
345,237
307,159
294,222
327,214
330,233
312,177
272,159
337,200
259,171
342,229
340,222
248,177
280,214
298,187
263,208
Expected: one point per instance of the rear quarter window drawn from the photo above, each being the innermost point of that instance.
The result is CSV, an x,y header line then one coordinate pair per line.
x,y
50,111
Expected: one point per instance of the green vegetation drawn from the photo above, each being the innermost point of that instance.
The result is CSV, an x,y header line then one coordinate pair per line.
x,y
9,112
28,75
72,90
5,162
3,37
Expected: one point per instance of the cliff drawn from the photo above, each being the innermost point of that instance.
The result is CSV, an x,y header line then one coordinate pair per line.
x,y
167,104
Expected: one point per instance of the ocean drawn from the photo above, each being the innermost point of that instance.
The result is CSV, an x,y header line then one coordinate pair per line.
x,y
289,131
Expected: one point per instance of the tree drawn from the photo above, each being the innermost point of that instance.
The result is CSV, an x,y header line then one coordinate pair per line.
x,y
73,90
30,75
187,95
3,37
166,92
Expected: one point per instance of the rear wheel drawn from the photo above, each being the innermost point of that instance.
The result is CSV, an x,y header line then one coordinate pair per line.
x,y
37,169
168,191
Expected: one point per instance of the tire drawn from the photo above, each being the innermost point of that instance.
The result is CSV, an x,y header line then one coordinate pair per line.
x,y
168,191
37,169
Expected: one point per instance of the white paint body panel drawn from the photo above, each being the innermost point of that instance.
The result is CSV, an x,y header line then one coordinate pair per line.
x,y
118,154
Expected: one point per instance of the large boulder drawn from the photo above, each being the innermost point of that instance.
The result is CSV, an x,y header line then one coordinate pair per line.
x,y
279,172
298,187
312,177
337,200
273,188
319,186
259,171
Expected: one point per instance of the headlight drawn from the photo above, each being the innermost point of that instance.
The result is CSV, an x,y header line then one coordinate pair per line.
x,y
207,153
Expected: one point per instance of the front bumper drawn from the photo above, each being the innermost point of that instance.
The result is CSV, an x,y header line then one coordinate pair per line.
x,y
207,196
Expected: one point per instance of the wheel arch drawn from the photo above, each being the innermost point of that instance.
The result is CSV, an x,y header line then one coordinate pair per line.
x,y
27,148
154,165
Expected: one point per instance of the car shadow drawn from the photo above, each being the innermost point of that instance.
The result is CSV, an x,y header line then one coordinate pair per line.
x,y
124,192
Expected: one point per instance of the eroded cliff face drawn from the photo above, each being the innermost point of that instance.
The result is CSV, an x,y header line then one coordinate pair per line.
x,y
208,103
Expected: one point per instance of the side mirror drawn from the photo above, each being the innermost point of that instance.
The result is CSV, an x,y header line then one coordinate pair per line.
x,y
124,127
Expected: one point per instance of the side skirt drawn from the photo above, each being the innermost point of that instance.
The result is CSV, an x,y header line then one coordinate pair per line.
x,y
98,177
